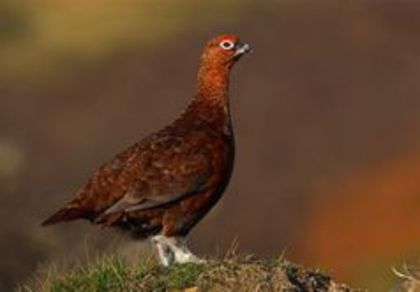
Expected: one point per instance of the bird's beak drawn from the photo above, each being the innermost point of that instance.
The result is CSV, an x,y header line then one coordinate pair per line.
x,y
241,49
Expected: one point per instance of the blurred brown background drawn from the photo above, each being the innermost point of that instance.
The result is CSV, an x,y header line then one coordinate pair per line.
x,y
326,109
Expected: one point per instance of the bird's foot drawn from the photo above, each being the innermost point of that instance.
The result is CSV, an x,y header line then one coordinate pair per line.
x,y
182,257
181,252
174,250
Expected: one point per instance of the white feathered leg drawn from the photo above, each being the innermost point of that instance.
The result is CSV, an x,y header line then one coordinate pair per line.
x,y
181,251
165,253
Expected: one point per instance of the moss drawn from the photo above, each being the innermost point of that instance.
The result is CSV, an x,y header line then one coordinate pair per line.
x,y
236,274
177,277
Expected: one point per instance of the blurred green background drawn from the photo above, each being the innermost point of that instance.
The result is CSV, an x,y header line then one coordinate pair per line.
x,y
326,110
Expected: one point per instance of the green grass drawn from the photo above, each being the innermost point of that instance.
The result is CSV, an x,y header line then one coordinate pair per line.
x,y
235,274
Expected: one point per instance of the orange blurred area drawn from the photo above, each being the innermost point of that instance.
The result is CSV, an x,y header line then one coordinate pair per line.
x,y
370,217
326,112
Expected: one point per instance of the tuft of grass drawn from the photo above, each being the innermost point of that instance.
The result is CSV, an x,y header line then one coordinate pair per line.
x,y
108,274
234,274
409,278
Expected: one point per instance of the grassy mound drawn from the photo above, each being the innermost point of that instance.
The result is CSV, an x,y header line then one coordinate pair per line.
x,y
238,274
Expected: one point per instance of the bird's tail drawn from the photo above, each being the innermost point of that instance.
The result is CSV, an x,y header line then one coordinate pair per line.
x,y
66,213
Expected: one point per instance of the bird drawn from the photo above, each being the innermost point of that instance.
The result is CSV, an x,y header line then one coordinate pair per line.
x,y
160,187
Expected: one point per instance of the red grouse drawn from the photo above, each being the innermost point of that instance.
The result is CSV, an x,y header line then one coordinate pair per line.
x,y
160,187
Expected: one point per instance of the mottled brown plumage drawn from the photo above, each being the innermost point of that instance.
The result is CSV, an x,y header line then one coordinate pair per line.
x,y
164,184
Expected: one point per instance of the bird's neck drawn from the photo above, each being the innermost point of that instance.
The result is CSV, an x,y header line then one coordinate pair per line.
x,y
212,88
213,83
211,102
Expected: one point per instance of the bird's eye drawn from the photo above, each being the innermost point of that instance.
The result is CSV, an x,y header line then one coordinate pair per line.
x,y
227,45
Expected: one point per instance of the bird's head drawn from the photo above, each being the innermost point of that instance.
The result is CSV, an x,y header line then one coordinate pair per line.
x,y
224,50
218,58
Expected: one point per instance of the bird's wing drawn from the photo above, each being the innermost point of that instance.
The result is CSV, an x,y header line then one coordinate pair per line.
x,y
154,172
167,178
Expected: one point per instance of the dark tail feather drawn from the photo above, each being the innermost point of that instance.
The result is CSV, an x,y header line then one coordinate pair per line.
x,y
64,214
